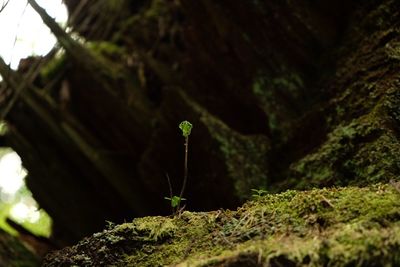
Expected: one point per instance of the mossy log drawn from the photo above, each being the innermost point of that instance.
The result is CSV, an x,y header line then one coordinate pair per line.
x,y
349,226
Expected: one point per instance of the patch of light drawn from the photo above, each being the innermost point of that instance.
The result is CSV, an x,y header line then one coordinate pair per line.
x,y
16,201
25,33
12,173
25,212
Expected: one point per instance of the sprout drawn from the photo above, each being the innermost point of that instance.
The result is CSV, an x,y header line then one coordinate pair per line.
x,y
186,128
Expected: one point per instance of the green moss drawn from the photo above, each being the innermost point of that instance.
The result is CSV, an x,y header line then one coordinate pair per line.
x,y
108,58
245,156
318,167
182,236
53,68
158,7
106,49
264,84
393,51
280,96
362,151
154,228
322,227
106,53
115,5
337,227
144,26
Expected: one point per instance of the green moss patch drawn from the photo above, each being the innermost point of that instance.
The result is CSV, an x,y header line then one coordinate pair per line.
x,y
332,227
362,151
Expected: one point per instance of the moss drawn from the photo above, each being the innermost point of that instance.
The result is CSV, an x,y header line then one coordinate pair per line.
x,y
331,227
157,8
338,227
341,159
156,228
115,5
53,67
393,51
279,96
107,49
108,55
146,26
320,166
245,156
189,231
105,52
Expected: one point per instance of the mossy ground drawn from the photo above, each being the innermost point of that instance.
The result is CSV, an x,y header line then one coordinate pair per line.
x,y
349,226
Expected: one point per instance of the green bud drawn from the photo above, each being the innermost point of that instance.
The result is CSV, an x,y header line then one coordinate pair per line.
x,y
186,128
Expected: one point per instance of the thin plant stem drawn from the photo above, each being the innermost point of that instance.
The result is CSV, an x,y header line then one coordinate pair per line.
x,y
185,169
170,191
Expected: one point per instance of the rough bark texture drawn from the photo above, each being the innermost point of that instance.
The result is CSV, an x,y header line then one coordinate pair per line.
x,y
282,95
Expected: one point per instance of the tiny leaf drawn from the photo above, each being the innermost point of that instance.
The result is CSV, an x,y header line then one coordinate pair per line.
x,y
175,201
186,128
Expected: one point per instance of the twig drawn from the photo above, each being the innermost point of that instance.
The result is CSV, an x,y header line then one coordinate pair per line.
x,y
327,201
3,6
26,83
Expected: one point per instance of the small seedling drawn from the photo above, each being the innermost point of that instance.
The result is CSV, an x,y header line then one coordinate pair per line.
x,y
186,128
175,201
259,193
